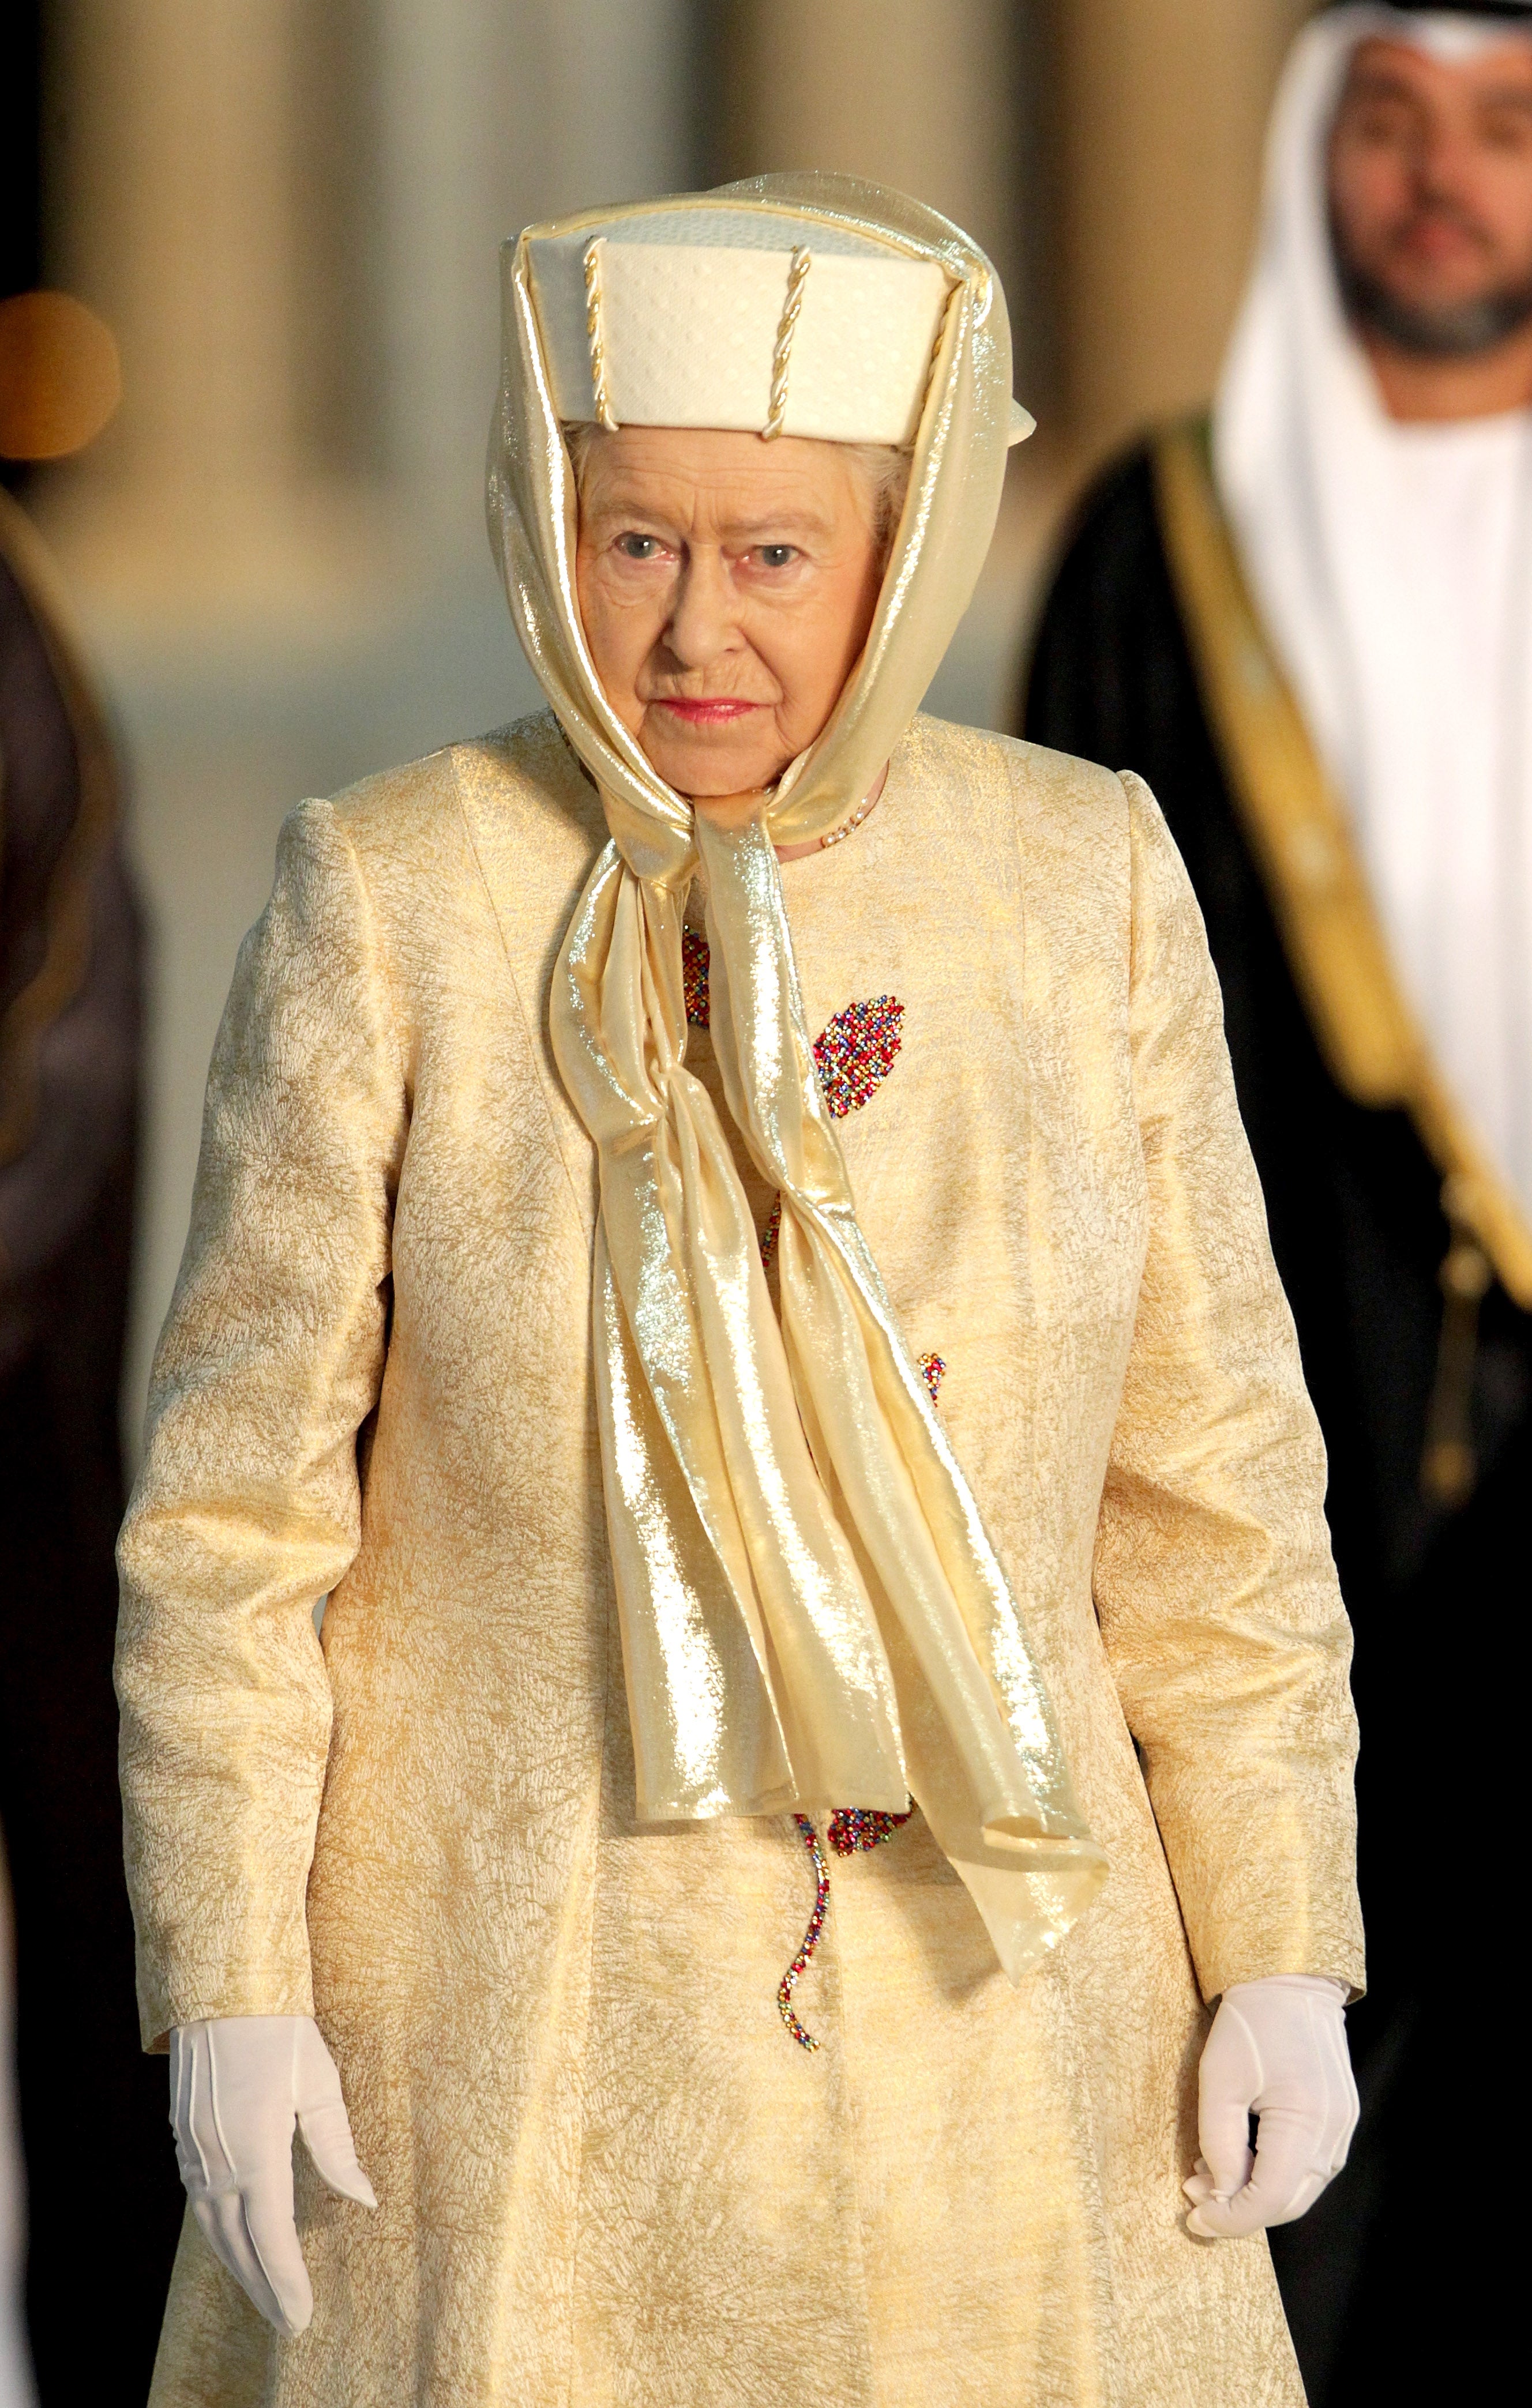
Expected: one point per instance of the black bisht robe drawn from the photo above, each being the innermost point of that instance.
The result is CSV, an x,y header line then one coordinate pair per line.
x,y
1381,2274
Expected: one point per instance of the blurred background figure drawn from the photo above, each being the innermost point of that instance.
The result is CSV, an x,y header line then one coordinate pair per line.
x,y
1309,623
69,1034
81,2107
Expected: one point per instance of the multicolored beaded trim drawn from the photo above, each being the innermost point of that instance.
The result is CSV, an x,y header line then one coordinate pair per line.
x,y
851,1830
695,961
934,1371
855,1828
770,1233
788,1983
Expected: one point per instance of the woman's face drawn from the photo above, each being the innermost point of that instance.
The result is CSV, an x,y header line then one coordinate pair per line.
x,y
727,586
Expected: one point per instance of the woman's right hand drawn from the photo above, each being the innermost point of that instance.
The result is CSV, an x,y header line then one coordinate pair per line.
x,y
238,2086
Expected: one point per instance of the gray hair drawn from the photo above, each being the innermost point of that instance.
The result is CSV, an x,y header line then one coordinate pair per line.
x,y
883,469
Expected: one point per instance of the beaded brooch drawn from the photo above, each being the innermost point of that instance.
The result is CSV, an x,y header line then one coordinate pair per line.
x,y
854,1052
855,1828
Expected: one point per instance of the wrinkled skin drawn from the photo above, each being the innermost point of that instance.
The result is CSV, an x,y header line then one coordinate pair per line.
x,y
727,586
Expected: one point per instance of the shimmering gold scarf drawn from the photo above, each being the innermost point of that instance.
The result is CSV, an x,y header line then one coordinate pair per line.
x,y
811,1613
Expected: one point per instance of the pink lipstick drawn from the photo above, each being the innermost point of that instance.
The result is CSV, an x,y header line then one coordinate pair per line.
x,y
715,712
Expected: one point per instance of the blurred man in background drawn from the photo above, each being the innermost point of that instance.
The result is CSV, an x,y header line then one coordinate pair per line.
x,y
1308,621
91,2110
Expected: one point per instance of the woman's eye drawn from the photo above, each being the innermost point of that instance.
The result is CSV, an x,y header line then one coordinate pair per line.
x,y
639,547
777,555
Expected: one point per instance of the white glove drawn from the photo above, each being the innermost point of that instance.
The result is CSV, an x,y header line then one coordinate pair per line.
x,y
1278,2051
237,2085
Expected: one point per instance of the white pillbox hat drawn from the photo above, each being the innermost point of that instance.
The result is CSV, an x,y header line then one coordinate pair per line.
x,y
726,318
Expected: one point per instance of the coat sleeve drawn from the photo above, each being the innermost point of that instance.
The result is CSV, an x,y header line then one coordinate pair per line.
x,y
1215,1586
248,1508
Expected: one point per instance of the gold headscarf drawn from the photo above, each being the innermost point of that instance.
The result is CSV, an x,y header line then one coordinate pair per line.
x,y
811,1613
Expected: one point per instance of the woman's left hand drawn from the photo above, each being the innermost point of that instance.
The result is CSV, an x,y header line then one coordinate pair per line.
x,y
1276,2051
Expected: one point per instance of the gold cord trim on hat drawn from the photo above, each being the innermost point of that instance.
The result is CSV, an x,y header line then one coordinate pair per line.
x,y
802,260
595,334
1300,834
953,298
940,338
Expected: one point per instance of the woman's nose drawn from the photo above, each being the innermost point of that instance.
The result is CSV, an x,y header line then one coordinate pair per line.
x,y
703,621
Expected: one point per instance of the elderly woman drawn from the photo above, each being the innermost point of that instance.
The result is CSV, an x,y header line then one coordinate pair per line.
x,y
725,1245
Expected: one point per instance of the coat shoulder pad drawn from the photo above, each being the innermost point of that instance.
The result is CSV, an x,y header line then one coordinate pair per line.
x,y
1053,794
524,772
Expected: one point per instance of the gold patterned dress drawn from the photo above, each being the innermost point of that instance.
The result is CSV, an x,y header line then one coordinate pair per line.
x,y
605,2173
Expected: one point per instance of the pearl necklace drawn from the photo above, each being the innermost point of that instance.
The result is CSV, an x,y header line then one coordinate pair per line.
x,y
837,835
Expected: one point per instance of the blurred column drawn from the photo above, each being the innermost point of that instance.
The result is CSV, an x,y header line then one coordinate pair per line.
x,y
290,209
489,118
932,96
172,202
948,100
1162,110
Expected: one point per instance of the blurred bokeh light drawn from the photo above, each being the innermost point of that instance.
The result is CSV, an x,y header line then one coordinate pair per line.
x,y
61,378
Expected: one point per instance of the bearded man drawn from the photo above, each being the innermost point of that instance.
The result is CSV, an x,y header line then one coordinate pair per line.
x,y
1309,625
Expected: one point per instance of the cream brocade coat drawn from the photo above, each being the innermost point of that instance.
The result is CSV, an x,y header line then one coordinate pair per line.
x,y
605,2173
